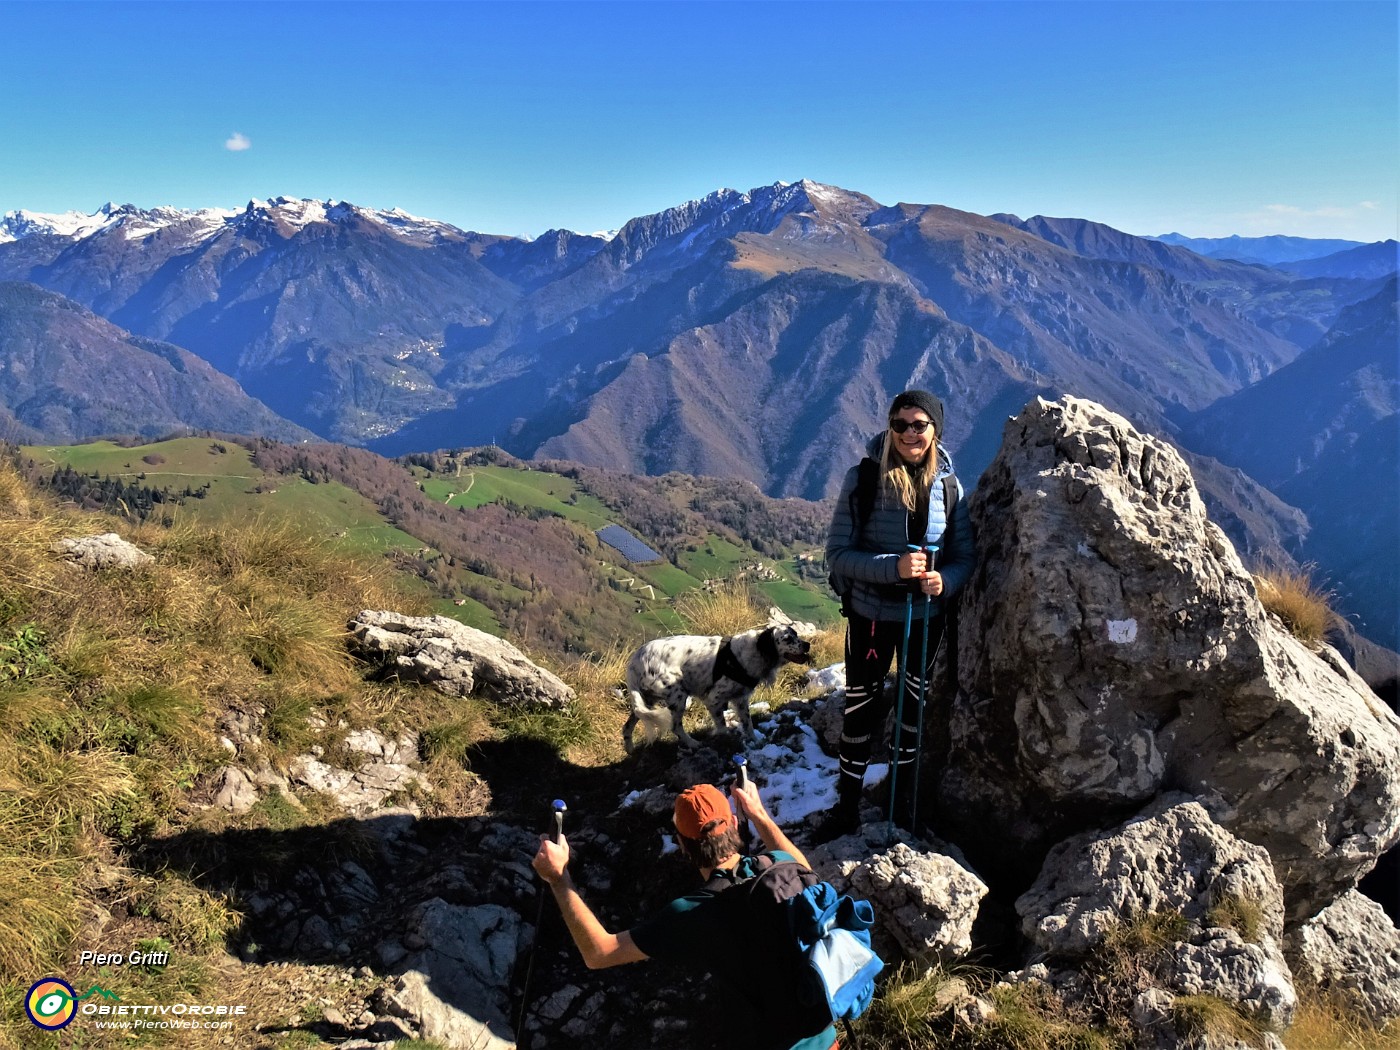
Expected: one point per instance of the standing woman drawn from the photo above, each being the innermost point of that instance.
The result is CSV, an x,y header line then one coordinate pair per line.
x,y
894,500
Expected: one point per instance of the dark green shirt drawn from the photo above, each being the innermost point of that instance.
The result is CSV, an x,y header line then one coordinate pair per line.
x,y
714,929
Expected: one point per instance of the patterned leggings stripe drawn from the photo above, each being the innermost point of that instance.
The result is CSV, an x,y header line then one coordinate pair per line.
x,y
870,650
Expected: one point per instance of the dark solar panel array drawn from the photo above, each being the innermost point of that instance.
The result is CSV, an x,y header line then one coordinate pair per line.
x,y
628,545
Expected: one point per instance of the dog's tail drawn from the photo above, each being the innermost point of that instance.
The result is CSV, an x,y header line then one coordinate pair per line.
x,y
653,720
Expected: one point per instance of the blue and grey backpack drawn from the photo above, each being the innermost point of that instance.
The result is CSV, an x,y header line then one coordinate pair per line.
x,y
835,966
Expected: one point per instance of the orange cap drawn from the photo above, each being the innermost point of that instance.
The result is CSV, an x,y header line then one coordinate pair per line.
x,y
701,805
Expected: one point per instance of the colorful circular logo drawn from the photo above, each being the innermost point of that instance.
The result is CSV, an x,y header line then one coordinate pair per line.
x,y
51,1003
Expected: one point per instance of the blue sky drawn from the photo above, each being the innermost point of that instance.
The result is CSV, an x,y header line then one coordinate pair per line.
x,y
1206,118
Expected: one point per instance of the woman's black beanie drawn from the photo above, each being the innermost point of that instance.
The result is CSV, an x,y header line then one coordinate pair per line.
x,y
925,402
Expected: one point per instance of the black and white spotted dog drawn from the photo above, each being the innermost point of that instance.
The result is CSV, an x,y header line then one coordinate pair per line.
x,y
665,673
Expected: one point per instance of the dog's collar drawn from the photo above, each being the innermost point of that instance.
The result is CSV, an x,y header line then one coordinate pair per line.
x,y
727,665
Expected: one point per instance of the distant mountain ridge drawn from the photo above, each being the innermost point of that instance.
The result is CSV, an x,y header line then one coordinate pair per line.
x,y
67,375
1369,260
1338,456
1269,251
756,335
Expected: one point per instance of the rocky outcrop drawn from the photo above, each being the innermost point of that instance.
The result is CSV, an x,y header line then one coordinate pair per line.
x,y
926,901
107,551
455,986
1351,948
1113,648
379,767
1224,931
455,659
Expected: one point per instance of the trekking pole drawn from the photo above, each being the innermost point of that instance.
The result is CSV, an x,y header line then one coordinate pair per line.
x,y
741,777
923,693
555,834
901,680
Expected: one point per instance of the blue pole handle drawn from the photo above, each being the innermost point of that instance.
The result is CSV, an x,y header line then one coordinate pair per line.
x,y
559,807
743,770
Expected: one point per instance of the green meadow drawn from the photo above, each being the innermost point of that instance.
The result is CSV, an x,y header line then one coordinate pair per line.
x,y
235,492
480,485
238,490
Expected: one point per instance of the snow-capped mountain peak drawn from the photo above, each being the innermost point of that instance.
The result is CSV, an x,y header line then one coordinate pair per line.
x,y
291,214
298,213
131,221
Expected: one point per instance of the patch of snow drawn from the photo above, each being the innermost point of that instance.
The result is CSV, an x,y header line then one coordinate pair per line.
x,y
828,678
399,221
295,213
690,237
798,778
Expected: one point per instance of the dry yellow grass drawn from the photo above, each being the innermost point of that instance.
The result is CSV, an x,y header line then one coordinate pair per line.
x,y
726,609
112,684
1326,1021
1302,605
595,680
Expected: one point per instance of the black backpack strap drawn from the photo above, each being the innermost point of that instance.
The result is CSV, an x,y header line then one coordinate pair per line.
x,y
863,496
861,503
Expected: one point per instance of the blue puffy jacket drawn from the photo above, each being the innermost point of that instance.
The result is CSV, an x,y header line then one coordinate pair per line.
x,y
862,562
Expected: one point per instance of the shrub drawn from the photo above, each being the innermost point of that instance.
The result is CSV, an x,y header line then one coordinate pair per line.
x,y
1303,606
726,609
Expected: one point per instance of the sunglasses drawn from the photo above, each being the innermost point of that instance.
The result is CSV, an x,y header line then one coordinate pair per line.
x,y
918,426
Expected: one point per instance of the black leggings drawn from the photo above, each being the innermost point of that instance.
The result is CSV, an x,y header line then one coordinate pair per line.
x,y
870,646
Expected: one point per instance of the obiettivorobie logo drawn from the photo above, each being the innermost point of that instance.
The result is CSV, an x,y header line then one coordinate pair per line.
x,y
52,1003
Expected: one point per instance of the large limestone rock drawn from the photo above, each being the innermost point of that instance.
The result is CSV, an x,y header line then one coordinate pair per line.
x,y
1113,647
1172,861
1351,948
926,901
107,551
455,988
456,659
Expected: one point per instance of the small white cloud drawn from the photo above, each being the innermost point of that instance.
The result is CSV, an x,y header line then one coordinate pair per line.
x,y
1370,205
1325,212
237,142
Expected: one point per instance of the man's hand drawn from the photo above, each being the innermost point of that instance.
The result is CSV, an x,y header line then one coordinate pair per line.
x,y
748,803
552,859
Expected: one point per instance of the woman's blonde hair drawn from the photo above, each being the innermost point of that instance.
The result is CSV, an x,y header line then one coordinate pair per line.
x,y
909,483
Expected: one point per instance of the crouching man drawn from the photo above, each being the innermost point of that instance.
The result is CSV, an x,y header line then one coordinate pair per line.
x,y
713,929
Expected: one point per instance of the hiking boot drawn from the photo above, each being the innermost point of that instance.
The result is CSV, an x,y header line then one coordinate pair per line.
x,y
844,818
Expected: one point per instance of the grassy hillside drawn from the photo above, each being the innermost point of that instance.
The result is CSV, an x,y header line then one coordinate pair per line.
x,y
114,687
116,691
504,546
